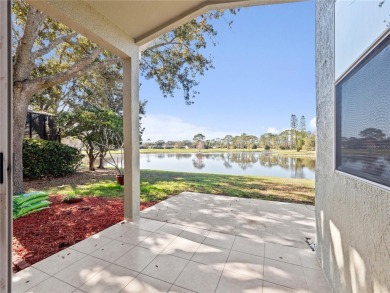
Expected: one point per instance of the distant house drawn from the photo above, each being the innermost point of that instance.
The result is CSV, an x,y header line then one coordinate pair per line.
x,y
42,125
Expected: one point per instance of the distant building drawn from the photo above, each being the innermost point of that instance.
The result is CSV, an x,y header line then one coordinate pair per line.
x,y
42,125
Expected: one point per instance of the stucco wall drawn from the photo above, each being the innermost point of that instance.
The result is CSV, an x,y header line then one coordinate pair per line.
x,y
353,216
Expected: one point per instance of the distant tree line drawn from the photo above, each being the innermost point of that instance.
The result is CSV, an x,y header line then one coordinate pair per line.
x,y
199,141
295,138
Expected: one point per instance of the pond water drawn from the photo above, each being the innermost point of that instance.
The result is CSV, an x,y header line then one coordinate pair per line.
x,y
233,163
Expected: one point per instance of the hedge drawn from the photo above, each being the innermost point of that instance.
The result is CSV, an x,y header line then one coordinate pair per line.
x,y
43,158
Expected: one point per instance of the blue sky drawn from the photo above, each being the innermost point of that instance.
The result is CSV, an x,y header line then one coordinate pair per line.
x,y
264,72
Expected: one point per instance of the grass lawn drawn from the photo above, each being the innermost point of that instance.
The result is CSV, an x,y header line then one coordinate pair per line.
x,y
159,185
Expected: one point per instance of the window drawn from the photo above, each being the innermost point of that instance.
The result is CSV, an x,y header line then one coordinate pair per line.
x,y
363,117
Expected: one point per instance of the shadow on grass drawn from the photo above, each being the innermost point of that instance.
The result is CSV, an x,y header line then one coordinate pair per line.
x,y
159,185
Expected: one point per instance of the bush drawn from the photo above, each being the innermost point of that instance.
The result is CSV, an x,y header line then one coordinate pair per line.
x,y
267,147
48,158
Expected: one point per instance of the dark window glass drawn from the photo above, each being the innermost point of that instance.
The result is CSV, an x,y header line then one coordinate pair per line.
x,y
363,118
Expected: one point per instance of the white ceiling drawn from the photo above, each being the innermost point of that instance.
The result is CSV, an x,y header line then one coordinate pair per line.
x,y
109,21
145,20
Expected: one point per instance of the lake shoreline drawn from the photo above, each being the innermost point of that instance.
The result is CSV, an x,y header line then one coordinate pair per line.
x,y
292,153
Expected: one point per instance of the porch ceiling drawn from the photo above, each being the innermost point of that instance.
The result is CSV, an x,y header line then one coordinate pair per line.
x,y
140,21
146,20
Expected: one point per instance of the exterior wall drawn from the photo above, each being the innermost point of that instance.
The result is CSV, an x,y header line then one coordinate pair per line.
x,y
353,216
5,148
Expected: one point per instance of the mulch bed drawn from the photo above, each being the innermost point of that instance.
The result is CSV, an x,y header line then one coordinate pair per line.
x,y
39,235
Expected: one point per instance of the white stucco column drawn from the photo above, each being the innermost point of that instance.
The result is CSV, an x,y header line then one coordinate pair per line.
x,y
5,148
131,136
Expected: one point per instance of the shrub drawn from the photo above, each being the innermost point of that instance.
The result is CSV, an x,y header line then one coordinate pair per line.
x,y
48,158
267,147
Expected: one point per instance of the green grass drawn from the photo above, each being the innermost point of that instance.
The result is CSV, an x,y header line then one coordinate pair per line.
x,y
159,185
99,187
294,153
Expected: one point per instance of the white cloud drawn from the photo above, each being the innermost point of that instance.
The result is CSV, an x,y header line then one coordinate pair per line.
x,y
167,127
272,130
313,124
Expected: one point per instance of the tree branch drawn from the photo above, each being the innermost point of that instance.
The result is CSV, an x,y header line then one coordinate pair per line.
x,y
158,45
52,45
23,61
81,67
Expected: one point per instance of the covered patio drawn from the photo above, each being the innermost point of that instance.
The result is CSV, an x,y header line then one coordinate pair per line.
x,y
124,28
204,243
191,243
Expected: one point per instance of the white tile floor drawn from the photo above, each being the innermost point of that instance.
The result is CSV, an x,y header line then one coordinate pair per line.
x,y
190,243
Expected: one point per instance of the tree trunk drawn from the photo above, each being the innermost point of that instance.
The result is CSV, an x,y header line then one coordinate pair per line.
x,y
101,160
20,106
92,164
92,159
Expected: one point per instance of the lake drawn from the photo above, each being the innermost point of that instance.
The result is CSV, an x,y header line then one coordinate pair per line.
x,y
233,163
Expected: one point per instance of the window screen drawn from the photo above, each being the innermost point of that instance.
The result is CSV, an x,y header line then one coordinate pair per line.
x,y
363,118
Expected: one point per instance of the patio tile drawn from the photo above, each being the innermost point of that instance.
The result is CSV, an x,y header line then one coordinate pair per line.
x,y
177,289
165,267
247,245
317,281
133,236
90,244
173,229
309,259
157,242
283,238
114,231
27,279
148,225
59,261
220,240
195,234
245,264
199,277
111,279
112,251
211,255
231,282
283,253
284,274
181,247
146,284
274,288
190,256
52,285
136,259
79,272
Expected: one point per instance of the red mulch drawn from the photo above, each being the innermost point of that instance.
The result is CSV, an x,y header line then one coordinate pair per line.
x,y
39,235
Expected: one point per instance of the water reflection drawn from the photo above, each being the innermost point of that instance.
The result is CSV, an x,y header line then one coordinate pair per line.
x,y
235,163
198,161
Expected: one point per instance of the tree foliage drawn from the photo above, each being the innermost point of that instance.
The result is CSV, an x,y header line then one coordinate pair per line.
x,y
176,58
96,128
